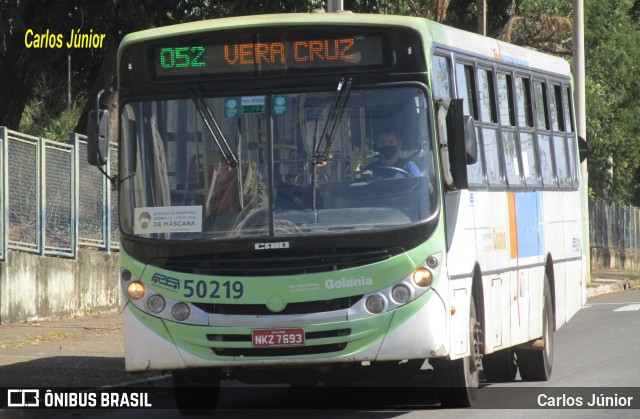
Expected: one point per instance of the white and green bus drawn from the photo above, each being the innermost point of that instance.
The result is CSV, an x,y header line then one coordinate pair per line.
x,y
269,235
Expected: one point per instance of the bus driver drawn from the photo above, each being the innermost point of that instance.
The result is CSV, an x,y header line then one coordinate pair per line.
x,y
390,164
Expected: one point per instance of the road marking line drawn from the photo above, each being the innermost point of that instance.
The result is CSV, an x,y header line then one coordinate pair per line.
x,y
630,307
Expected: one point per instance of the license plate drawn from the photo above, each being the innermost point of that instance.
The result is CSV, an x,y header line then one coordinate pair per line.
x,y
277,337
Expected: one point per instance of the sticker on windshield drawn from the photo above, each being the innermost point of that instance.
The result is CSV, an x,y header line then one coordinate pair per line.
x,y
231,107
185,219
279,105
252,104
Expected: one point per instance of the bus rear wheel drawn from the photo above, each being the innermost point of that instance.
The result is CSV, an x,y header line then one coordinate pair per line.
x,y
500,366
196,391
459,378
537,364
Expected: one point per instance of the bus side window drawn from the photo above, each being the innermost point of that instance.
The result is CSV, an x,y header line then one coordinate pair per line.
x,y
571,138
561,161
555,109
557,125
465,83
568,110
485,96
507,123
440,75
544,137
466,86
525,131
542,121
488,117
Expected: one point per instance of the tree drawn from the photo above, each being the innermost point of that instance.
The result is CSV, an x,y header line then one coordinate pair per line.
x,y
612,46
21,66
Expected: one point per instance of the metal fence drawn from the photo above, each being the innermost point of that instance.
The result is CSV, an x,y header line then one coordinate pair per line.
x,y
614,235
51,200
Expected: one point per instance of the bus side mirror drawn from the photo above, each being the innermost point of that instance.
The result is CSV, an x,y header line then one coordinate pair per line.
x,y
98,137
583,149
470,140
462,142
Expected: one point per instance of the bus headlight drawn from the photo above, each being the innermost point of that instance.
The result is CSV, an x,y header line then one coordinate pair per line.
x,y
401,294
180,311
135,290
156,303
375,303
422,277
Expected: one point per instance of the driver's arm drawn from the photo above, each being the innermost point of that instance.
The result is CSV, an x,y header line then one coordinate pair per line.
x,y
413,169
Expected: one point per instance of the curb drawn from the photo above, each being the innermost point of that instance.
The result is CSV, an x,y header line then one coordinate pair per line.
x,y
609,286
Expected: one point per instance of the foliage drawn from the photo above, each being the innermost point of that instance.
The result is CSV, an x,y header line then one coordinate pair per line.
x,y
546,7
37,122
612,48
550,34
53,120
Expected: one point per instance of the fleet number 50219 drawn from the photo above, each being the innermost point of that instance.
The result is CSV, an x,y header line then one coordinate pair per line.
x,y
213,289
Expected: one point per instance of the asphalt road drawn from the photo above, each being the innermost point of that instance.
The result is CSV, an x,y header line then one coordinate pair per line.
x,y
596,353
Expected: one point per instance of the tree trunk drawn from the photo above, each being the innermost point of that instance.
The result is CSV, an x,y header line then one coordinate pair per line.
x,y
442,7
500,12
109,99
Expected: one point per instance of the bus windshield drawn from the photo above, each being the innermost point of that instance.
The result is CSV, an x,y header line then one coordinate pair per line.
x,y
303,163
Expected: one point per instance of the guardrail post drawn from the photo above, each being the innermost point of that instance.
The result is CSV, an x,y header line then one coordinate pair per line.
x,y
41,197
75,193
4,194
106,199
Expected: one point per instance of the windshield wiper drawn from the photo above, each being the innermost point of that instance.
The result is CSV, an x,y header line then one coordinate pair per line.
x,y
239,171
212,125
329,128
319,158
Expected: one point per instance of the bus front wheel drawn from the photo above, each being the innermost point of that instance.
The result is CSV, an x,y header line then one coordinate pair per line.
x,y
459,378
196,390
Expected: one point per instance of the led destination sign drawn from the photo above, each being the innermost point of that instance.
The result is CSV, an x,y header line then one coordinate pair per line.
x,y
216,57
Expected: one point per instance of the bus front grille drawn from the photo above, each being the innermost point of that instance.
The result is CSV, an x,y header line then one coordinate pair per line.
x,y
306,307
277,262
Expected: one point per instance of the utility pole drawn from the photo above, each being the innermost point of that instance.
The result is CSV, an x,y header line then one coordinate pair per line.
x,y
482,17
581,118
68,81
335,6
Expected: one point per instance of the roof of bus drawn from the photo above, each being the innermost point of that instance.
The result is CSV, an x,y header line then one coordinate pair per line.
x,y
456,39
240,22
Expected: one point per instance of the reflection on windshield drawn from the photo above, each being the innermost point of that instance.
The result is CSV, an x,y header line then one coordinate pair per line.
x,y
378,170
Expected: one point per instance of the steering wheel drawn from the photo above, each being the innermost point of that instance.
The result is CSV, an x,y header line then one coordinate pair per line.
x,y
392,168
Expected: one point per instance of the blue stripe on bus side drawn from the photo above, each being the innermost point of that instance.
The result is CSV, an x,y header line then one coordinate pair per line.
x,y
529,221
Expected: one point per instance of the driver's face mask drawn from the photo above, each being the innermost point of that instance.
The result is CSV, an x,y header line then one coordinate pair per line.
x,y
388,151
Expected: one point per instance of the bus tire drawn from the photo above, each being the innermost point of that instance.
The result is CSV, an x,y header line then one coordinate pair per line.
x,y
459,378
196,391
500,366
536,365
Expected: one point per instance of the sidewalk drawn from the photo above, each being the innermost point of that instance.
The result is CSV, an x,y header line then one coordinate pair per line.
x,y
88,351
85,351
